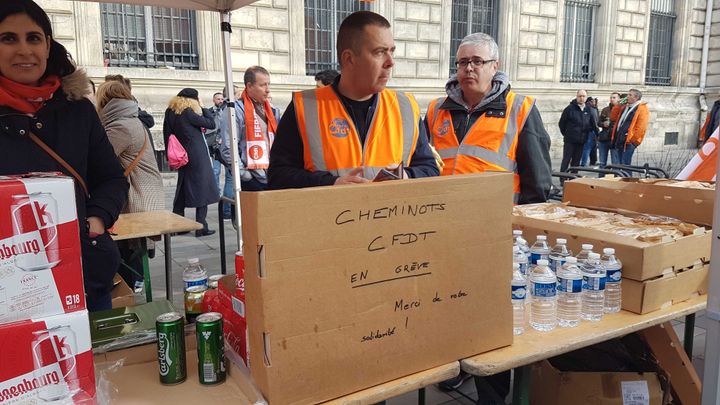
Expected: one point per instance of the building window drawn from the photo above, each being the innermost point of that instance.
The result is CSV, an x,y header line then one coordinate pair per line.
x,y
577,63
662,20
469,17
322,21
145,36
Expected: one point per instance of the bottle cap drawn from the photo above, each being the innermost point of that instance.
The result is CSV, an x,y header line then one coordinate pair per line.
x,y
517,232
609,251
571,259
542,262
587,246
593,256
561,241
542,237
193,260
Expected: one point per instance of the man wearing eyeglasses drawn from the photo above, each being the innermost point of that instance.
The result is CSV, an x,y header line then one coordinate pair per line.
x,y
482,125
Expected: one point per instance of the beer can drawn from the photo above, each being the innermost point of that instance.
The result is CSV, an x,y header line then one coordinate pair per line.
x,y
193,302
210,348
214,279
171,348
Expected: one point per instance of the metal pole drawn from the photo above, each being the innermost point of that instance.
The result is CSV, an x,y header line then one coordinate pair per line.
x,y
232,124
711,375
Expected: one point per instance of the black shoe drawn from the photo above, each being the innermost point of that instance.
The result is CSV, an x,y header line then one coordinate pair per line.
x,y
455,382
204,232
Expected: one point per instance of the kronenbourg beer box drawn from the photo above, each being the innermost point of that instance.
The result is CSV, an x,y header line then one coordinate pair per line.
x,y
47,360
40,267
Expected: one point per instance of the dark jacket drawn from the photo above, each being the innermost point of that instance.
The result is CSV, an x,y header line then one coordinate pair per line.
x,y
196,180
605,124
69,125
576,123
287,165
533,148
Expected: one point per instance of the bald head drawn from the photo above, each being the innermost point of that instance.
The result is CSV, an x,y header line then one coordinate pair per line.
x,y
581,97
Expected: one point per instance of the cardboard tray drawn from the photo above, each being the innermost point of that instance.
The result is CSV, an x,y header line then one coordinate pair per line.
x,y
645,296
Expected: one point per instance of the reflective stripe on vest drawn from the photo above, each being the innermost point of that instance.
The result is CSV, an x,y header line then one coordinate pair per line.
x,y
489,145
331,141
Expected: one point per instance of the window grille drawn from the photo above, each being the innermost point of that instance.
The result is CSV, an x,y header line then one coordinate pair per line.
x,y
322,22
145,36
662,20
470,17
577,62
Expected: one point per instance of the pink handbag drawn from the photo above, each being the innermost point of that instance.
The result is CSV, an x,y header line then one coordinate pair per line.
x,y
176,154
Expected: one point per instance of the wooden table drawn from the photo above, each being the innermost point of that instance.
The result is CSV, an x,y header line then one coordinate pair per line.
x,y
141,225
533,346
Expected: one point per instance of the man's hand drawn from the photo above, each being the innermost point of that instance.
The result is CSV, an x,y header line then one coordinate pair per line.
x,y
95,227
353,177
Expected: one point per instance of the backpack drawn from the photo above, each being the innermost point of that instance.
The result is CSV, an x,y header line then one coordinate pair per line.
x,y
176,154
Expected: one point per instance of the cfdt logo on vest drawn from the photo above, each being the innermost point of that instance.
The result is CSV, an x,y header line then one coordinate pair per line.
x,y
444,128
339,128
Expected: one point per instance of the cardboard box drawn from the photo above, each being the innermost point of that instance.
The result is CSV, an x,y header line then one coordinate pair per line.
x,y
549,386
126,326
122,295
349,287
137,381
47,359
652,196
40,267
645,296
641,260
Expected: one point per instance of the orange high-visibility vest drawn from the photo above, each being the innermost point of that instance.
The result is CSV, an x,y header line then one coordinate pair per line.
x,y
331,141
489,145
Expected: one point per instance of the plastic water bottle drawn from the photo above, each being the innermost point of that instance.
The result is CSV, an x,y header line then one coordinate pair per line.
x,y
569,293
194,274
519,291
613,284
583,255
521,259
543,308
520,242
558,254
539,250
593,295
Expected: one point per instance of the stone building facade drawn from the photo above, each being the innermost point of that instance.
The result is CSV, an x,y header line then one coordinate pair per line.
x,y
530,34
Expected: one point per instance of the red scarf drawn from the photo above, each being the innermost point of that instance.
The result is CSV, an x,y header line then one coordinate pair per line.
x,y
27,99
258,145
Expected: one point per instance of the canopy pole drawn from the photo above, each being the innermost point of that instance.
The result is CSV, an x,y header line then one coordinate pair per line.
x,y
226,30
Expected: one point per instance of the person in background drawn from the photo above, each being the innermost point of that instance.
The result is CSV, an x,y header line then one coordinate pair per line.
x,y
256,122
143,115
606,124
325,77
712,122
590,147
219,112
44,94
629,130
306,156
575,123
196,186
130,139
478,111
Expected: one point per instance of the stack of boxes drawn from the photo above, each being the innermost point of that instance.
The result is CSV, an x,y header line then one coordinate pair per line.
x,y
44,330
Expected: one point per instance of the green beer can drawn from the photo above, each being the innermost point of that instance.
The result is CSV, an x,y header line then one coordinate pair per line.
x,y
210,348
171,348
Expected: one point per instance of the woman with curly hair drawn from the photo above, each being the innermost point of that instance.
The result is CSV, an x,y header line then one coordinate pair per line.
x,y
196,187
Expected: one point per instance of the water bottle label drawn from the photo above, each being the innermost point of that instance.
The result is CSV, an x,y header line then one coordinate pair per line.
x,y
555,264
593,283
614,276
534,257
519,292
544,289
569,285
200,281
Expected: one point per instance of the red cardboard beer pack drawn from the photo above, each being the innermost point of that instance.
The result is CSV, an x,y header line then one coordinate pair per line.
x,y
40,267
47,360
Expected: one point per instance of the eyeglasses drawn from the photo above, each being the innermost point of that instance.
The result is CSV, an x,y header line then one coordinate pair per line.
x,y
476,62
